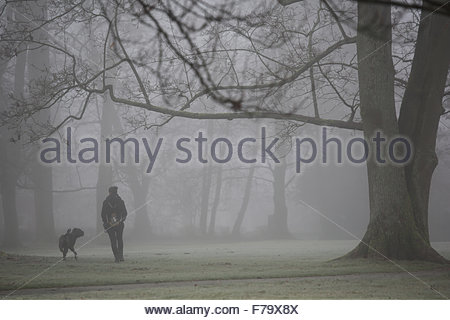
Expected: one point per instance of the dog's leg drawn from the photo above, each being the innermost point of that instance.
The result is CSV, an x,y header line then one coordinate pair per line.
x,y
74,252
65,253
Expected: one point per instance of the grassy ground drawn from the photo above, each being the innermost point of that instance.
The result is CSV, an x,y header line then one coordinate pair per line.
x,y
253,270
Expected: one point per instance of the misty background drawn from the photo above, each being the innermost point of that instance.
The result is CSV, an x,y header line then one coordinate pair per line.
x,y
189,201
175,196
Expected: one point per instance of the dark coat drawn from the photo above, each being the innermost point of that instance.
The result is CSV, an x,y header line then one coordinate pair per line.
x,y
113,211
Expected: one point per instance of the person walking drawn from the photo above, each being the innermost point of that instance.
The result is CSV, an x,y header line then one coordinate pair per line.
x,y
114,214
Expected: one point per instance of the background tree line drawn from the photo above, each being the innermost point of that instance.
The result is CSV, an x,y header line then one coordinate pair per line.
x,y
125,66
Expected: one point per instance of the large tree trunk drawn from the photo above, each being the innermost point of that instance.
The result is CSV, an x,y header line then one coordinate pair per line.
x,y
244,205
277,224
392,232
422,108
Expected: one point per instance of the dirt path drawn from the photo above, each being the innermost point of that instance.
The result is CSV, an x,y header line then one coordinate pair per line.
x,y
175,284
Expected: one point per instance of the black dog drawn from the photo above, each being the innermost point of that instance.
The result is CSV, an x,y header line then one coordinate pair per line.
x,y
67,241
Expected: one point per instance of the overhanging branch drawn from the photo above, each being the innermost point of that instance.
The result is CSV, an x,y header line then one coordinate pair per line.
x,y
236,115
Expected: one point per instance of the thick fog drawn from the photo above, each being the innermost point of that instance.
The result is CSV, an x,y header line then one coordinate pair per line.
x,y
58,112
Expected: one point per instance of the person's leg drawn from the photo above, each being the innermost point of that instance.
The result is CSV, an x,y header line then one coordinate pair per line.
x,y
113,238
120,241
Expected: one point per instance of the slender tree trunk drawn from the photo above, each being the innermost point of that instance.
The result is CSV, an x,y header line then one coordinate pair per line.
x,y
9,176
138,184
11,223
206,186
43,202
278,220
142,225
244,205
38,68
215,205
105,173
392,232
10,152
105,170
422,108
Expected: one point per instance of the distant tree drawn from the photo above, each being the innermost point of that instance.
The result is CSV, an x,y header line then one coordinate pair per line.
x,y
236,231
41,175
268,61
10,151
218,171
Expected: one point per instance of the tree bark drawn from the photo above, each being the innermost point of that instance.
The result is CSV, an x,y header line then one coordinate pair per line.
x,y
422,108
392,232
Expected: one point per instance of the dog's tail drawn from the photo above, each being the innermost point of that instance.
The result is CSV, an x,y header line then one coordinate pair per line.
x,y
62,241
